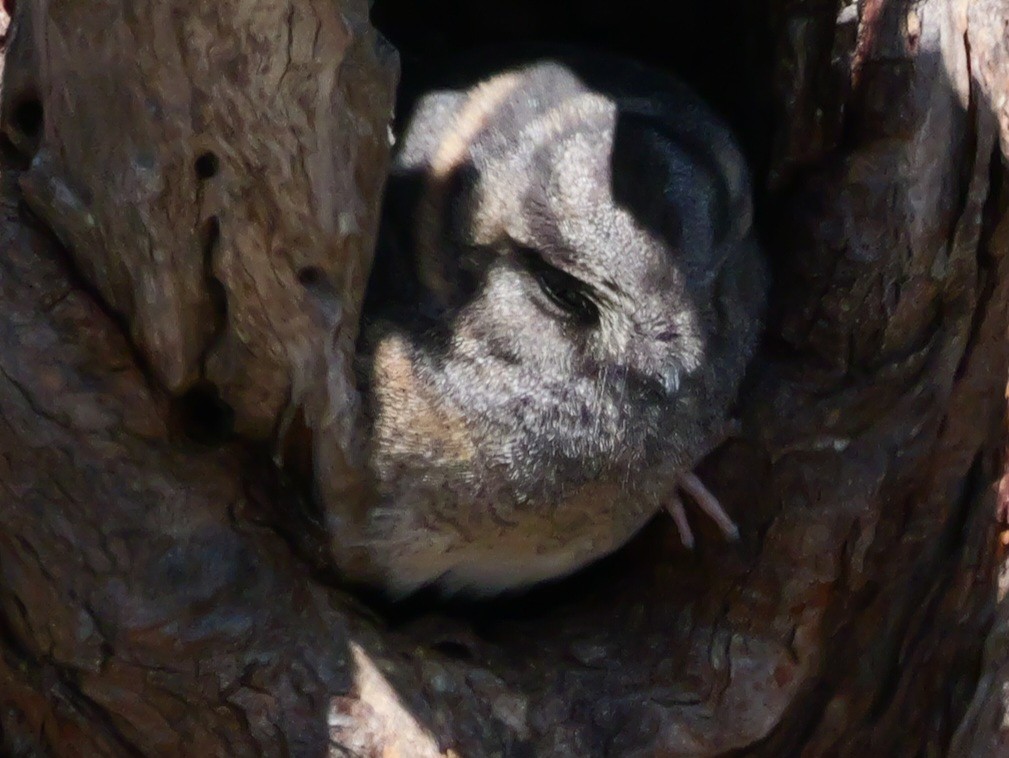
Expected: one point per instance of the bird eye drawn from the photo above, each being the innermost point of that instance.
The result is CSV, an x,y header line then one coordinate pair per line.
x,y
565,291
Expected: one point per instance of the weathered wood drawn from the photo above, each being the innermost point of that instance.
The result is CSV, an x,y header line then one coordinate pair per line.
x,y
146,601
215,170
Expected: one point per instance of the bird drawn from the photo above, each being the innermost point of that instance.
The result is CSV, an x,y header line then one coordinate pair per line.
x,y
566,293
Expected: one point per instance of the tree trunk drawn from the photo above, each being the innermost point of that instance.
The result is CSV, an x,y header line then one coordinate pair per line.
x,y
200,186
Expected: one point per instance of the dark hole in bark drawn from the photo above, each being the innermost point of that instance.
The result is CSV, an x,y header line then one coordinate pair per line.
x,y
206,166
202,416
321,287
311,276
28,117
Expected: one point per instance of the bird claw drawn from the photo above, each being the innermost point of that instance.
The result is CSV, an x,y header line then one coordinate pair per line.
x,y
708,504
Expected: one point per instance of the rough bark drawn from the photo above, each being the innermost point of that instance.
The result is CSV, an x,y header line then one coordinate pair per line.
x,y
213,184
215,170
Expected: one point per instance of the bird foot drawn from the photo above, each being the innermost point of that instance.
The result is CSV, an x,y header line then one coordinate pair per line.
x,y
707,502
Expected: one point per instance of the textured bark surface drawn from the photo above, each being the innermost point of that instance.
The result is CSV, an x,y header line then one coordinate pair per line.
x,y
215,169
147,601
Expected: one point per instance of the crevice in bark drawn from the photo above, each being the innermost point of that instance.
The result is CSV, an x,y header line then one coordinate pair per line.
x,y
27,118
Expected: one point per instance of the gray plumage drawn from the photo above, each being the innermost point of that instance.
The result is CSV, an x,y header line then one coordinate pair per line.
x,y
566,293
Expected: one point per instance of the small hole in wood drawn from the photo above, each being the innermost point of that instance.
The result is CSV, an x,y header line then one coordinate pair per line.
x,y
206,166
311,276
202,416
28,117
